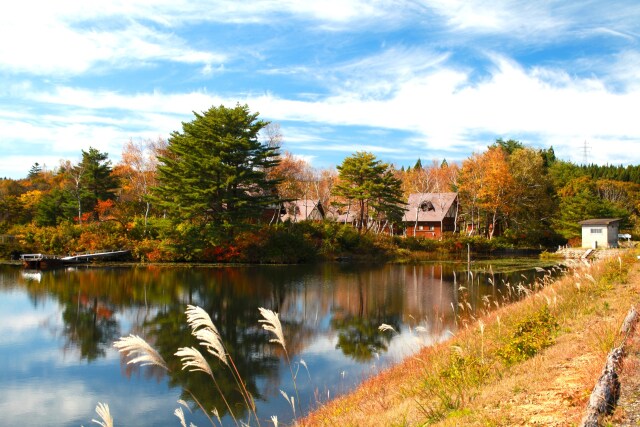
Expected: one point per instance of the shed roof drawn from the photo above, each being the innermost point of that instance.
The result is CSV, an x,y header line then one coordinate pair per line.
x,y
428,207
599,221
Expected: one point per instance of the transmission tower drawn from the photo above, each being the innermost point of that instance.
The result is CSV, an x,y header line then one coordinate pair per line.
x,y
585,153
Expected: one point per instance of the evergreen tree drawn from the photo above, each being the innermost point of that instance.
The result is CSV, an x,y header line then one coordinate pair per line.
x,y
508,146
34,171
370,189
213,175
96,179
418,164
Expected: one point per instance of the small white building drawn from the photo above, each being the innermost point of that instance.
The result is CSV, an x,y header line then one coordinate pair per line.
x,y
600,233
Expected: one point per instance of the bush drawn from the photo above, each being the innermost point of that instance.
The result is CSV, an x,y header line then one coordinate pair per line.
x,y
533,334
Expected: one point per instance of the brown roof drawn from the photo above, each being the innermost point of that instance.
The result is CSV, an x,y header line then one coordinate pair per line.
x,y
429,207
599,221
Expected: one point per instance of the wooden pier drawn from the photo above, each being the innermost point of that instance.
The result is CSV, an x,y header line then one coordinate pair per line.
x,y
41,261
45,262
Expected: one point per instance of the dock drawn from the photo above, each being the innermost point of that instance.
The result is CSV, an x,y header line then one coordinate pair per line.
x,y
45,262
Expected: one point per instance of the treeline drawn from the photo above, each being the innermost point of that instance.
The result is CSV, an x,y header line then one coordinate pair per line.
x,y
214,192
629,173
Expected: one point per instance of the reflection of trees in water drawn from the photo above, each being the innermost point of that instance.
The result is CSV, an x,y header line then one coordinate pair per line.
x,y
235,314
353,300
89,325
359,338
358,334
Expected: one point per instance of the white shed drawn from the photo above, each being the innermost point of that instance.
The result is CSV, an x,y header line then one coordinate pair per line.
x,y
600,233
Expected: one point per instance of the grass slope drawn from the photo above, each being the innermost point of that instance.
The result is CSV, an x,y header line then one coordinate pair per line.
x,y
533,362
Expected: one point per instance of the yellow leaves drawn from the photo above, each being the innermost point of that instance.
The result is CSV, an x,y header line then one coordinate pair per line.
x,y
31,198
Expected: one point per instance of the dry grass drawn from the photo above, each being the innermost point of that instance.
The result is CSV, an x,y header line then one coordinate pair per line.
x,y
550,388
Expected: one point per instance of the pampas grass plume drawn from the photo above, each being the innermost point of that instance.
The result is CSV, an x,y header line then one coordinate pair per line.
x,y
193,360
103,412
145,354
180,414
198,318
384,327
271,323
212,341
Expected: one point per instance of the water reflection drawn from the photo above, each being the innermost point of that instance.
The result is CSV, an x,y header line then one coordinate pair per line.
x,y
330,314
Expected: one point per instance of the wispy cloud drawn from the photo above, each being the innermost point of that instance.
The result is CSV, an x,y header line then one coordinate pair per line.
x,y
401,78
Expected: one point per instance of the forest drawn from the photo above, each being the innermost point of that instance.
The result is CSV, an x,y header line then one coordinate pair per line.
x,y
209,192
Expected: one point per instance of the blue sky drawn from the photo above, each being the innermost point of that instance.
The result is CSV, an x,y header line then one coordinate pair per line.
x,y
403,79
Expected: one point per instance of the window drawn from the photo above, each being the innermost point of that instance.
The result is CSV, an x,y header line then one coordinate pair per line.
x,y
427,206
420,228
596,231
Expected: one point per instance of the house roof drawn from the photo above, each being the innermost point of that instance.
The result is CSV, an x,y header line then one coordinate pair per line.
x,y
429,207
299,210
599,221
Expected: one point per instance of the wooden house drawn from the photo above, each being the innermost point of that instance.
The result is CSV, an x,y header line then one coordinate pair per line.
x,y
302,210
600,233
429,215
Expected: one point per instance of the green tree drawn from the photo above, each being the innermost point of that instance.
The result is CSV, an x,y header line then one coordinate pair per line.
x,y
579,200
213,172
370,188
96,177
508,146
54,207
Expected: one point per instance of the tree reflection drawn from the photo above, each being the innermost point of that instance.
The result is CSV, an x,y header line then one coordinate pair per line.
x,y
358,334
89,325
359,338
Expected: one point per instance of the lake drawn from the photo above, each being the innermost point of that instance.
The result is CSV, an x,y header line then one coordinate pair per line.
x,y
57,330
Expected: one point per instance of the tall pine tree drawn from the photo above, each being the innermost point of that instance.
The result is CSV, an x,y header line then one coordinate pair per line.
x,y
213,175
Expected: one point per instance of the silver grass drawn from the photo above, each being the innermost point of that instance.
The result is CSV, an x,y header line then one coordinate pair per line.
x,y
271,323
198,318
217,415
183,403
180,414
103,412
291,401
384,327
193,360
143,352
212,341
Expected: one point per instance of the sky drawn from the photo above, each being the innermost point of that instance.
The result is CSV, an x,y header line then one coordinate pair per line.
x,y
436,79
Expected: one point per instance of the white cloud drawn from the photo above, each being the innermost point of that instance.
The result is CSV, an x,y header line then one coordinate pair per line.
x,y
442,108
42,38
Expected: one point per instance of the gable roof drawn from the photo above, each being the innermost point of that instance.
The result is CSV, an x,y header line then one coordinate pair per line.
x,y
300,210
599,221
429,207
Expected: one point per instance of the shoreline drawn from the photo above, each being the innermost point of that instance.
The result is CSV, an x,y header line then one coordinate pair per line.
x,y
552,387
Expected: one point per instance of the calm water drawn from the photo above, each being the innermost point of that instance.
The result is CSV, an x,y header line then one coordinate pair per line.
x,y
57,328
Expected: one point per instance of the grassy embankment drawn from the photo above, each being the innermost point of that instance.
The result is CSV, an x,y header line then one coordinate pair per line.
x,y
531,362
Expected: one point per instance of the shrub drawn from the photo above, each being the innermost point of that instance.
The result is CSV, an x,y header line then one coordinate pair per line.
x,y
532,334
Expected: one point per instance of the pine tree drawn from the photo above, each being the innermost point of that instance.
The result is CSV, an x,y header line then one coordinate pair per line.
x,y
214,171
97,180
370,188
